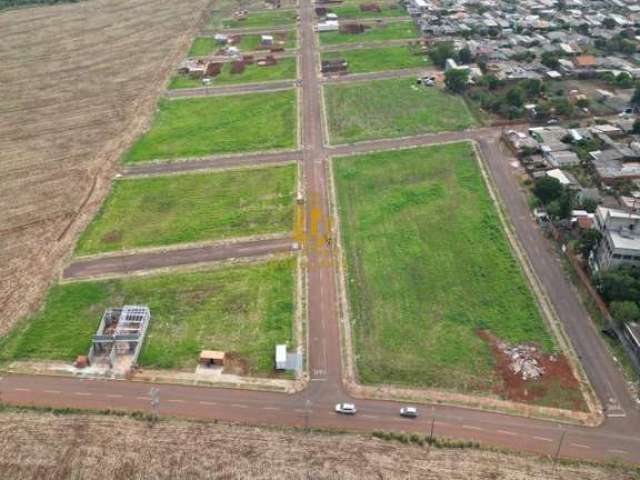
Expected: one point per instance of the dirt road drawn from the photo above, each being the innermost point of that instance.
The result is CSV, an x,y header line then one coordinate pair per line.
x,y
214,90
126,263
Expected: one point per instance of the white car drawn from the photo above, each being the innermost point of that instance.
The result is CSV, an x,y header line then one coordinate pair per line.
x,y
346,408
410,412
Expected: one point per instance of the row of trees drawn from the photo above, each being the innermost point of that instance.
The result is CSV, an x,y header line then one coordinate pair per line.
x,y
620,287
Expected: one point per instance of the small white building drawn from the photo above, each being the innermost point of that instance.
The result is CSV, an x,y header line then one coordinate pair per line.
x,y
281,357
266,40
328,26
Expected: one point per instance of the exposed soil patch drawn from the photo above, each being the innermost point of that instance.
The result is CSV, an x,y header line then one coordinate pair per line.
x,y
114,236
234,364
554,386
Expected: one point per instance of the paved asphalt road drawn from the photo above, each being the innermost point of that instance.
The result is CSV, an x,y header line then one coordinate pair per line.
x,y
617,437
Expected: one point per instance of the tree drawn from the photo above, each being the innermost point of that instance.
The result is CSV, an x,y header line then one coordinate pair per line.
x,y
624,80
456,79
589,204
440,52
588,241
514,97
550,59
562,206
624,311
636,126
583,103
622,283
547,189
609,23
465,56
532,87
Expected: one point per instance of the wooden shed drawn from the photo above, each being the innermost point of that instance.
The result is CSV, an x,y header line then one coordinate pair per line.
x,y
210,358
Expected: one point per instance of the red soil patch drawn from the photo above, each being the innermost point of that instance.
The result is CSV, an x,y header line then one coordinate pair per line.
x,y
556,387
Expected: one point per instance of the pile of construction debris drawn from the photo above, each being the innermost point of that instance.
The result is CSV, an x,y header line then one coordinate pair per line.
x,y
523,361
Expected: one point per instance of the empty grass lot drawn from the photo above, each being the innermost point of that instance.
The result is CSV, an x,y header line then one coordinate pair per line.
x,y
428,264
389,31
352,11
391,108
252,42
203,46
276,18
196,127
285,69
243,309
175,209
363,60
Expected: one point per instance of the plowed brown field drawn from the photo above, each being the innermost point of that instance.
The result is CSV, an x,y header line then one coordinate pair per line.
x,y
46,447
78,84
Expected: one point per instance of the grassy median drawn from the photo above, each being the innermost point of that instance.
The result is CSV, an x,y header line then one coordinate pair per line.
x,y
174,209
428,267
196,127
244,309
391,108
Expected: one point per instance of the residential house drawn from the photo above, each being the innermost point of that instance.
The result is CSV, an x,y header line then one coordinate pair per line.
x,y
620,244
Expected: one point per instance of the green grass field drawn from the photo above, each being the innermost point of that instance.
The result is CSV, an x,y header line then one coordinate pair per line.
x,y
175,209
391,108
215,125
389,31
277,18
285,69
252,42
363,60
352,11
203,46
428,265
242,309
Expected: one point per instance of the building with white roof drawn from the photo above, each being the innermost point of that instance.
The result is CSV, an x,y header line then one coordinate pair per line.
x,y
620,243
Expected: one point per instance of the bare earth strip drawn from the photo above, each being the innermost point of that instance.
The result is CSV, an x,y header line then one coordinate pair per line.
x,y
46,446
127,262
211,163
79,82
232,89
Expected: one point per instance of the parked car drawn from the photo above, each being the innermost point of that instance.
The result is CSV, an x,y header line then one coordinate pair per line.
x,y
346,408
409,412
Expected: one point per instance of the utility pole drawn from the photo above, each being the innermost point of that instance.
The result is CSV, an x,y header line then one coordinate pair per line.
x,y
555,457
154,395
433,421
307,408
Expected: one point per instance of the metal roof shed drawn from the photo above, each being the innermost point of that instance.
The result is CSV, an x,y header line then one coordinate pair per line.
x,y
281,357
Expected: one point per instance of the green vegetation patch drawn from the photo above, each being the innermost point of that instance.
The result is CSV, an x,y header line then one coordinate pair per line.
x,y
285,69
352,11
252,42
196,127
391,108
428,265
275,18
246,310
175,209
202,46
377,32
377,59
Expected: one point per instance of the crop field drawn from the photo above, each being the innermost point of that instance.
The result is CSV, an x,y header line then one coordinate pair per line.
x,y
285,69
242,309
174,209
214,125
277,18
99,66
399,30
391,108
428,268
351,10
363,60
